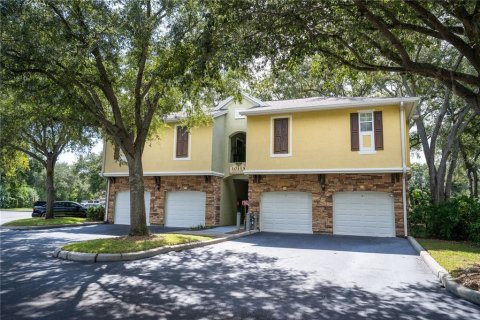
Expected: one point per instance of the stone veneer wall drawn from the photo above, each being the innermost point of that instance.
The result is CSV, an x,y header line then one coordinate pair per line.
x,y
322,201
172,183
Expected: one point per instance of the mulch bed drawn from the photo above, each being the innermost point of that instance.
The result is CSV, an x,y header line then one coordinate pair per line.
x,y
469,277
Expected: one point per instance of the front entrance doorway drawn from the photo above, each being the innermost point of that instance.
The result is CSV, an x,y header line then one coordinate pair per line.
x,y
241,193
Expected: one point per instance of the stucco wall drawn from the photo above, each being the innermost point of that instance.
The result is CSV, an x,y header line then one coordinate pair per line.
x,y
159,153
321,140
233,126
218,144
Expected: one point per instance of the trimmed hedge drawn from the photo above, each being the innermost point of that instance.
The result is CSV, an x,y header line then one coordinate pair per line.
x,y
455,219
96,213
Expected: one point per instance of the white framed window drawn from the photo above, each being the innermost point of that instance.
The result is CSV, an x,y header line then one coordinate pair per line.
x,y
366,132
182,143
281,134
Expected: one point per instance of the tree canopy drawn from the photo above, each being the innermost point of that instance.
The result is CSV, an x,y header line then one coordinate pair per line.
x,y
40,122
127,63
432,39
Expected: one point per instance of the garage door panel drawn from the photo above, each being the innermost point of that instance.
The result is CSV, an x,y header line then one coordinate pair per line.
x,y
363,214
286,212
122,207
185,208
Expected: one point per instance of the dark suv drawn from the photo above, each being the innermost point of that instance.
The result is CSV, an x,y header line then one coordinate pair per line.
x,y
61,209
38,205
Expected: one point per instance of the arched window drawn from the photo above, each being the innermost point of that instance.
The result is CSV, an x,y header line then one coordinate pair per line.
x,y
238,143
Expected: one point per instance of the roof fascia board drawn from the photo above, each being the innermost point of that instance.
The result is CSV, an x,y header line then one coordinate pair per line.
x,y
254,111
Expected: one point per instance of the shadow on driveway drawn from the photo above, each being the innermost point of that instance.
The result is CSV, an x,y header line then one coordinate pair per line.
x,y
225,281
101,230
334,243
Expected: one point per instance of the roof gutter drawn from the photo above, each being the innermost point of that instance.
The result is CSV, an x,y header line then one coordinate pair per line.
x,y
266,110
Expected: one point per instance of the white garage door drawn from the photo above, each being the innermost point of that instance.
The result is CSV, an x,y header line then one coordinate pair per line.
x,y
122,207
363,214
286,212
185,209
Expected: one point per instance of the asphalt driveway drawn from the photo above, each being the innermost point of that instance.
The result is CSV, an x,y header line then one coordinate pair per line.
x,y
263,276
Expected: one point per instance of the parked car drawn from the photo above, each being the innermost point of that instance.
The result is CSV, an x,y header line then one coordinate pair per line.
x,y
37,205
92,203
62,209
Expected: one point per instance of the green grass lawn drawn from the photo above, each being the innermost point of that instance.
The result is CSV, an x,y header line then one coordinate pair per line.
x,y
131,244
452,255
44,222
16,209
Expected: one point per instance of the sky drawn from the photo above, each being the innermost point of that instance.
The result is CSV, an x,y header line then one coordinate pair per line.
x,y
70,157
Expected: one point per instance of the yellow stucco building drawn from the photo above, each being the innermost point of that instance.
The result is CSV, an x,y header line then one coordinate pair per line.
x,y
314,165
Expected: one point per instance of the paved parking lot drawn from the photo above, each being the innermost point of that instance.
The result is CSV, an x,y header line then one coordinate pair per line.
x,y
263,276
7,216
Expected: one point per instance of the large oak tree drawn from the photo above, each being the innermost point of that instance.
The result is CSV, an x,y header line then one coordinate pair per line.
x,y
39,122
128,63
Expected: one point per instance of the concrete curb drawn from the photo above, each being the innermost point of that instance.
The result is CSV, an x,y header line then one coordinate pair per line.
x,y
445,278
110,257
51,227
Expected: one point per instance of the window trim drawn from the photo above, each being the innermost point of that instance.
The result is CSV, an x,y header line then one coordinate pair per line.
x,y
175,145
290,135
371,133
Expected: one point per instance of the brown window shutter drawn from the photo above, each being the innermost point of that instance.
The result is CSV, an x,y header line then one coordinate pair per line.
x,y
354,137
378,127
182,142
280,143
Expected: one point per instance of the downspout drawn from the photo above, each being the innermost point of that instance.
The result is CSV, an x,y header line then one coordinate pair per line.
x,y
107,198
404,169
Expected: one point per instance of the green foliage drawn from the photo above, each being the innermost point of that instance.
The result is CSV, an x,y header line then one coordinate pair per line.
x,y
88,169
80,180
76,182
454,219
419,177
18,197
318,76
96,213
14,190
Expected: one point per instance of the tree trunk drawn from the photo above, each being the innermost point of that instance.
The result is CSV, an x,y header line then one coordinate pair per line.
x,y
50,188
451,170
138,223
475,184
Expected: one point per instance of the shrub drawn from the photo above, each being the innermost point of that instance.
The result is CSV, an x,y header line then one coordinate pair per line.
x,y
455,219
419,208
96,213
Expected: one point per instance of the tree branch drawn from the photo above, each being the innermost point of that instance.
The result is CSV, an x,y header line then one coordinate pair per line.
x,y
430,19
